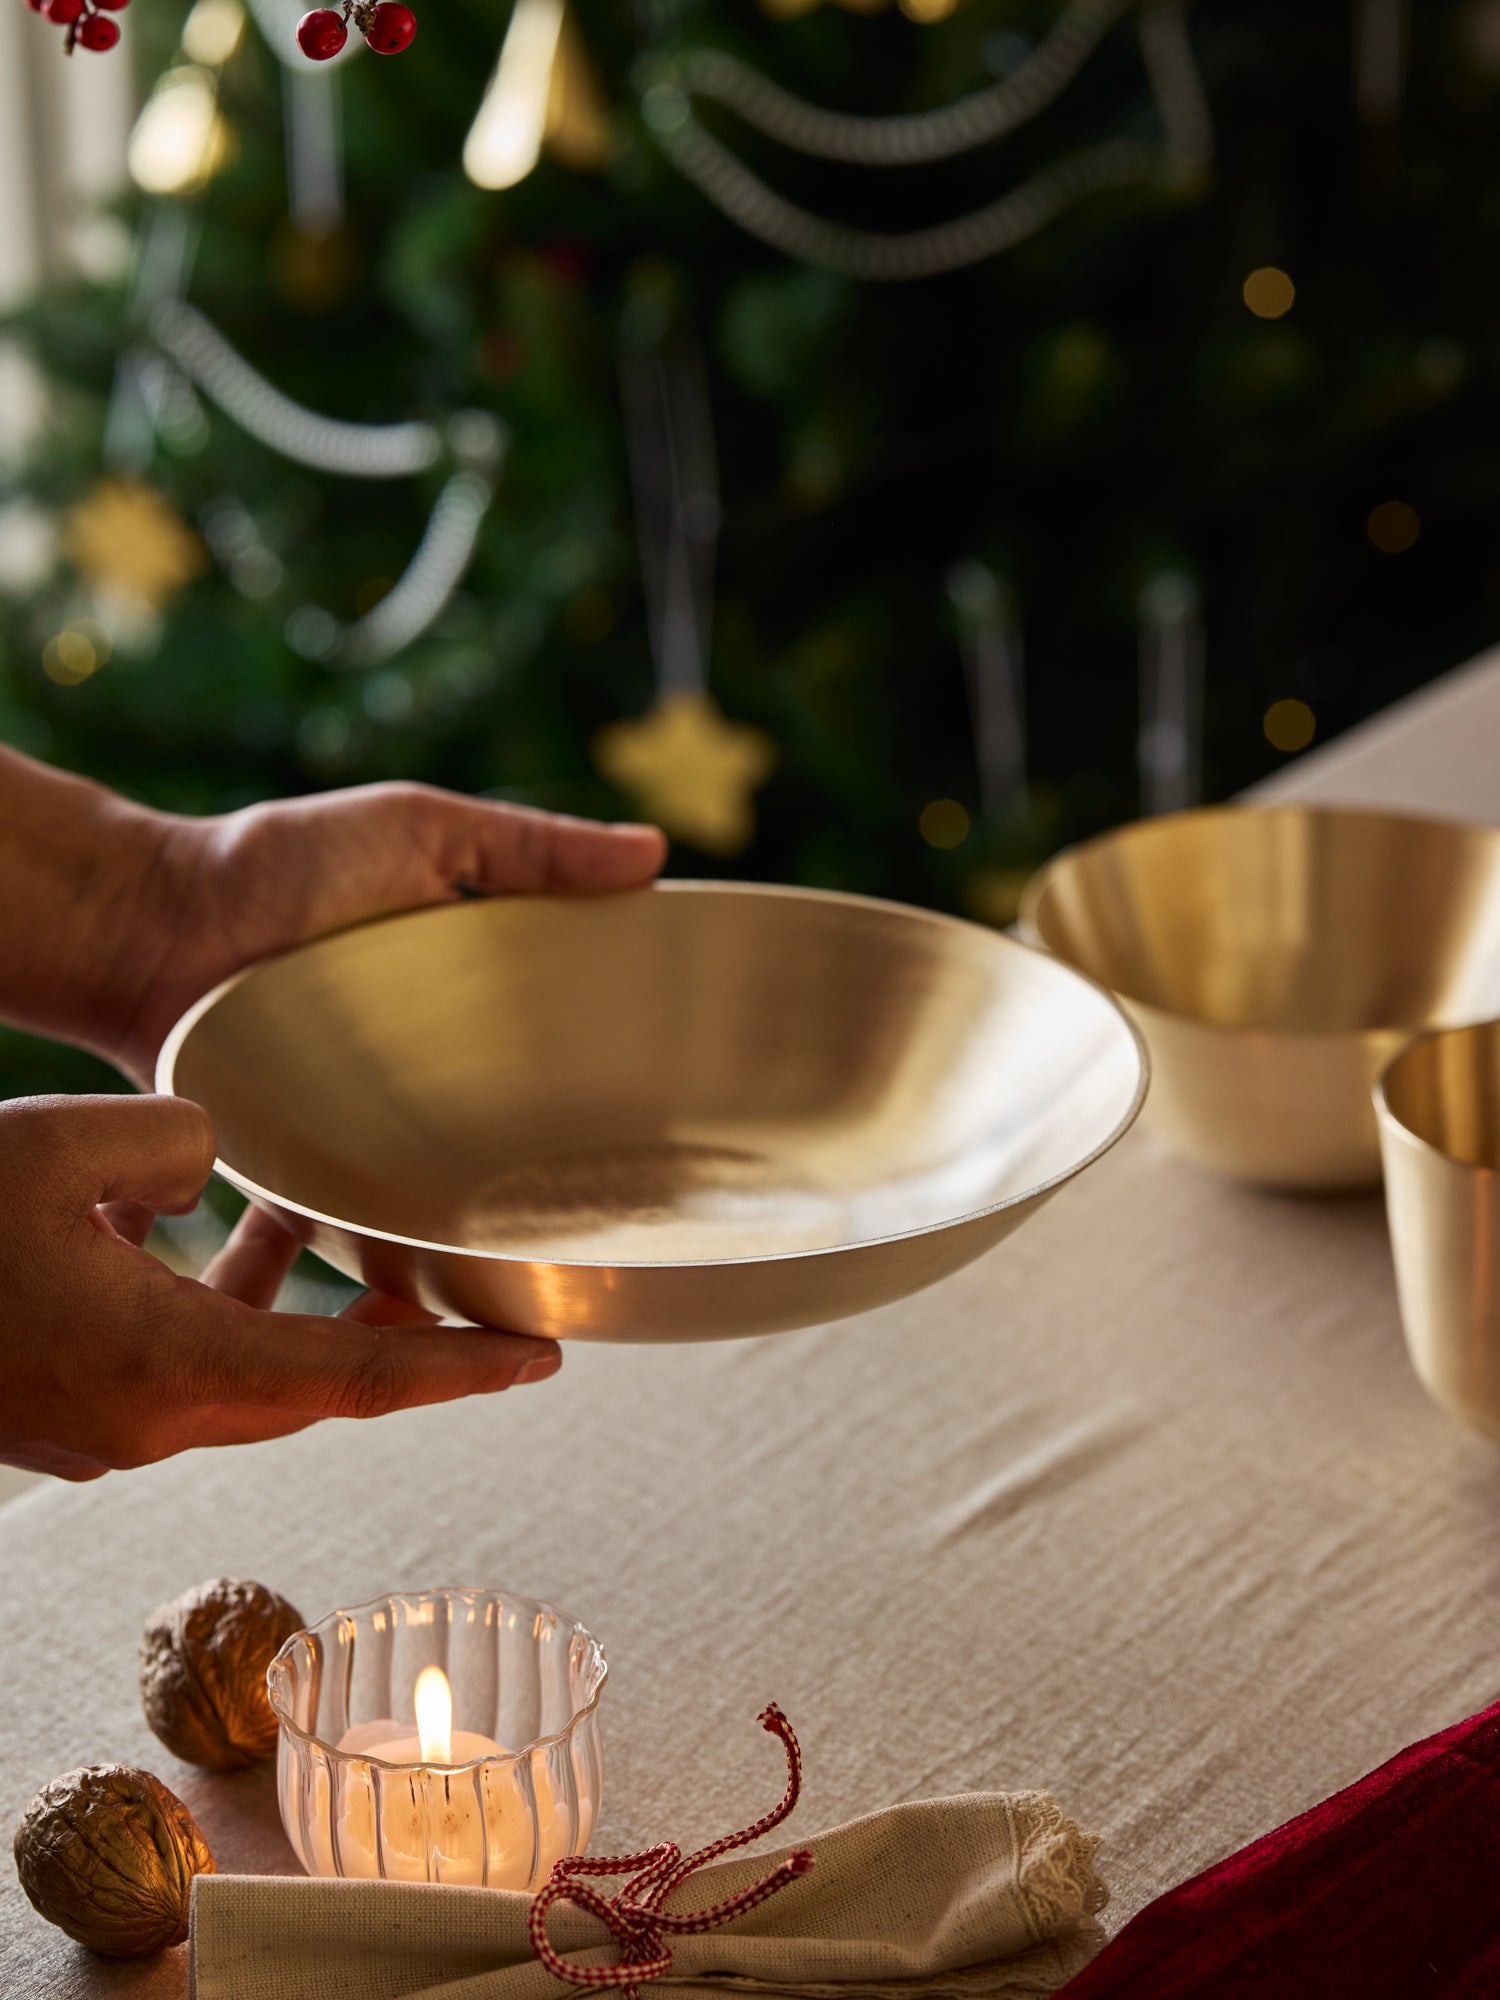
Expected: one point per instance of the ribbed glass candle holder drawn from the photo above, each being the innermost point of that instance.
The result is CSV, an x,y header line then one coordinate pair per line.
x,y
357,1801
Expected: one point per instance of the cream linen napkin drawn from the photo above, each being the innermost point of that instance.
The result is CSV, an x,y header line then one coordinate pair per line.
x,y
988,1897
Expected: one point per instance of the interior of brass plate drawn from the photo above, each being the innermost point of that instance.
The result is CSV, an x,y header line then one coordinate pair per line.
x,y
687,1076
1308,920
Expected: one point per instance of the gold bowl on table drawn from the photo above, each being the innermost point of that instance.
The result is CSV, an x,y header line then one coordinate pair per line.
x,y
1275,960
688,1112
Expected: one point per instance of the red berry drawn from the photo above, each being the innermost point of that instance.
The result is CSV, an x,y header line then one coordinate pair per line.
x,y
63,13
98,32
321,34
37,6
391,28
114,6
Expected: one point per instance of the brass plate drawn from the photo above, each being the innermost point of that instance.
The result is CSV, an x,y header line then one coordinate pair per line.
x,y
1275,959
693,1111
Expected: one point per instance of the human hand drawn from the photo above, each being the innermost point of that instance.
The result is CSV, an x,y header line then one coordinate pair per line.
x,y
223,892
109,1359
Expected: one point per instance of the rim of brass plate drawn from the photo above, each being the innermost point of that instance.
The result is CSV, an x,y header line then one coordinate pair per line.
x,y
167,1059
1036,887
1392,1121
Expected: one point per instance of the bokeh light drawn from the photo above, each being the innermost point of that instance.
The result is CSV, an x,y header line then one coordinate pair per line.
x,y
1269,292
943,823
1393,527
211,32
75,653
180,140
1289,725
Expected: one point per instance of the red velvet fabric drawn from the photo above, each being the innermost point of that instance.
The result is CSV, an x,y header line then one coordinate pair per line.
x,y
1387,1891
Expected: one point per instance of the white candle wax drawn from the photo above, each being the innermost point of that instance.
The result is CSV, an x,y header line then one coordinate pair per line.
x,y
436,1823
392,1744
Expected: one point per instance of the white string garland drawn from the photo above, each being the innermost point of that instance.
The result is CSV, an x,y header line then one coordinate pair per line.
x,y
424,587
922,253
744,197
353,451
189,352
193,345
912,139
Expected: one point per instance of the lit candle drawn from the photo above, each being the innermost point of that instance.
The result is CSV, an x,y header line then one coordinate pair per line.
x,y
433,1741
429,1819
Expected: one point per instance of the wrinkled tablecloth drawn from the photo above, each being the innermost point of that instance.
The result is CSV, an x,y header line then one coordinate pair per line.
x,y
1145,1509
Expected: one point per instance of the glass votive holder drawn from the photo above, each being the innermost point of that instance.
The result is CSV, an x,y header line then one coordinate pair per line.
x,y
510,1788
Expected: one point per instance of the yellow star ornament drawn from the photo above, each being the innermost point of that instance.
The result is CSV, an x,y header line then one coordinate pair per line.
x,y
127,540
690,769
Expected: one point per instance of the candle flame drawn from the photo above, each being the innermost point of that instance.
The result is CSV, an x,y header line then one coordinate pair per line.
x,y
434,1704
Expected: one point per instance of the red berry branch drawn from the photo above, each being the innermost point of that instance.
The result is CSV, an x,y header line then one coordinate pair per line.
x,y
386,25
86,23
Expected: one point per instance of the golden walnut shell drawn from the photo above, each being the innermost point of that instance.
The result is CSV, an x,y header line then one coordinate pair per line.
x,y
203,1672
108,1854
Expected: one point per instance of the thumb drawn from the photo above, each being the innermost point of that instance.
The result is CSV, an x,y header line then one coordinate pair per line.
x,y
307,1367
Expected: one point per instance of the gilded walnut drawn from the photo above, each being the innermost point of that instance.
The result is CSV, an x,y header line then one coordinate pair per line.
x,y
203,1672
108,1854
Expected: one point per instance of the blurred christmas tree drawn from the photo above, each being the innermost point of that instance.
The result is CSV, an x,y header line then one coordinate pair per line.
x,y
1229,413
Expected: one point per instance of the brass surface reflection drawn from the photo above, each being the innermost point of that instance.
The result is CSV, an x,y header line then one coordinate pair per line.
x,y
1275,960
689,1112
1438,1105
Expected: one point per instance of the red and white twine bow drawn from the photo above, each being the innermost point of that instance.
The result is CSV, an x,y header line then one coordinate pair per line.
x,y
635,1917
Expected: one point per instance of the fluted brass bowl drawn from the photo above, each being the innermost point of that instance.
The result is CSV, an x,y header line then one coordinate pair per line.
x,y
687,1112
1275,959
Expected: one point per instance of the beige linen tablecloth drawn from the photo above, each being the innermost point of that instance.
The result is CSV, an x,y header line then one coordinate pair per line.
x,y
1145,1509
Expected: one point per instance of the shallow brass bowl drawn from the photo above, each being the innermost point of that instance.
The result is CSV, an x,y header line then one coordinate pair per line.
x,y
1438,1104
693,1111
1275,959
